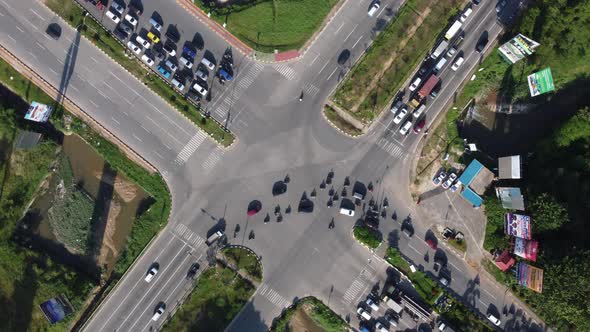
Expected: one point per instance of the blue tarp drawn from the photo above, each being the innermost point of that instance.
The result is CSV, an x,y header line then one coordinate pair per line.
x,y
470,172
472,197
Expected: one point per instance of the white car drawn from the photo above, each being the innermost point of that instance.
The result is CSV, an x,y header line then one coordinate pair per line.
x,y
451,52
147,60
132,20
201,90
439,178
118,8
444,281
372,305
449,181
201,74
158,313
380,328
171,65
406,128
144,43
456,186
131,45
415,84
494,320
113,16
457,64
188,63
401,115
347,212
151,274
363,313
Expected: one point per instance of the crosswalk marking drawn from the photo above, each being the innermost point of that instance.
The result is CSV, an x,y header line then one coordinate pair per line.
x,y
286,71
190,148
352,291
188,236
273,296
390,147
311,89
212,159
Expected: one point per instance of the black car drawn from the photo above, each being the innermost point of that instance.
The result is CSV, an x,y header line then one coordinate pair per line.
x,y
193,95
173,34
125,27
54,30
192,272
476,2
121,34
481,45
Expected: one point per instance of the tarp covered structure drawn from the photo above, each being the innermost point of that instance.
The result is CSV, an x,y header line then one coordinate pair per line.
x,y
511,198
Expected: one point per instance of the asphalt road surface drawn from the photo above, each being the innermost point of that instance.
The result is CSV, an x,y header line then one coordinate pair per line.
x,y
278,135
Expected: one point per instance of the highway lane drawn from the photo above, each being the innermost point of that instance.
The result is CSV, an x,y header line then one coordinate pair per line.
x,y
281,135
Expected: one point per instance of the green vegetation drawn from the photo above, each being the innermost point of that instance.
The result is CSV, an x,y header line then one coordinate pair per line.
x,y
70,215
367,236
342,124
266,25
72,13
245,260
557,186
27,277
216,300
426,287
395,45
460,316
325,319
460,245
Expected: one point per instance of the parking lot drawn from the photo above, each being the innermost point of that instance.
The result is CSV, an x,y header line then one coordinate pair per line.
x,y
193,61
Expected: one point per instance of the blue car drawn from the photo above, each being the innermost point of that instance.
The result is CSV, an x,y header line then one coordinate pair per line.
x,y
163,71
225,75
188,51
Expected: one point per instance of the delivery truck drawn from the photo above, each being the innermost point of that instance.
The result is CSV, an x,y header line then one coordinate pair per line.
x,y
214,237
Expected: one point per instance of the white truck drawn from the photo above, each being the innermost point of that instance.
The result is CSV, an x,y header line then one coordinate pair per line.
x,y
214,237
453,30
396,307
439,49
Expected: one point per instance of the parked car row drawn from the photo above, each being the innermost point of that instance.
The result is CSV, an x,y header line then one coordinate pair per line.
x,y
147,43
445,181
400,110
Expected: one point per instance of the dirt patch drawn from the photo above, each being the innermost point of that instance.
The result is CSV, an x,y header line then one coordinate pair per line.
x,y
302,322
108,248
125,189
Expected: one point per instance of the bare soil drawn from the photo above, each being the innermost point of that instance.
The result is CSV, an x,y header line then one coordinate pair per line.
x,y
125,189
108,248
302,322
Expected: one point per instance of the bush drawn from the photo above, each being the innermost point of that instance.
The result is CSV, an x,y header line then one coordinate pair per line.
x,y
367,236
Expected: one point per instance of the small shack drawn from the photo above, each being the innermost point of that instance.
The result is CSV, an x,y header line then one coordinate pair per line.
x,y
511,198
509,168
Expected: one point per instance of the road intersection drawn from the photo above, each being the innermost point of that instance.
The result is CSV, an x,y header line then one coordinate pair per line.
x,y
277,135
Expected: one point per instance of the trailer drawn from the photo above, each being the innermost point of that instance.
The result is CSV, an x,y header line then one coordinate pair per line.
x,y
428,86
453,30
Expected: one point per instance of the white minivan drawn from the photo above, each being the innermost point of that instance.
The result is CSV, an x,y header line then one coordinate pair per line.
x,y
373,9
457,64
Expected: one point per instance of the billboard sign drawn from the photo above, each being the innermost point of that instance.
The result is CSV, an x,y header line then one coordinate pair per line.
x,y
530,277
56,309
541,82
517,48
38,112
526,249
518,225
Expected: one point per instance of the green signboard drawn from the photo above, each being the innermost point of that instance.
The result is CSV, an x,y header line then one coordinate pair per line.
x,y
541,82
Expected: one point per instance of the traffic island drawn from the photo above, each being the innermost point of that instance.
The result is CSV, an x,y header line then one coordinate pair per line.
x,y
367,236
244,261
338,121
309,314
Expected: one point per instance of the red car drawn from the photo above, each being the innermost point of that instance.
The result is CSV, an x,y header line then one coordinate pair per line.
x,y
418,127
431,244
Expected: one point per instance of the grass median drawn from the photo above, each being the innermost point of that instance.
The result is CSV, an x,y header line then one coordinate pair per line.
x,y
245,260
378,76
72,13
217,298
340,123
426,287
270,25
29,277
323,318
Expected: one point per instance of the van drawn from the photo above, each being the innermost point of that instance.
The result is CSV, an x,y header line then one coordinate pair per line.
x,y
457,64
440,64
466,14
373,9
208,64
417,113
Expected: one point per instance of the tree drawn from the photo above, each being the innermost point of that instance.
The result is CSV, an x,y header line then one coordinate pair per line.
x,y
548,214
578,127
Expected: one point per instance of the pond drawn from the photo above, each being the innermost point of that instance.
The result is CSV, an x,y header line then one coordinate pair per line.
x,y
111,200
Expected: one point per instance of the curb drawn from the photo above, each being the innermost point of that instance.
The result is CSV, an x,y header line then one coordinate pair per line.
x,y
151,71
337,128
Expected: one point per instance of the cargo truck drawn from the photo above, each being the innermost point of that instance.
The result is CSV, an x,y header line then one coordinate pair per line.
x,y
430,84
439,49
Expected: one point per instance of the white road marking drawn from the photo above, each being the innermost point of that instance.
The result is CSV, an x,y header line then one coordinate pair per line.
x,y
455,266
73,87
19,29
189,148
482,302
314,59
115,120
337,30
323,67
40,46
31,23
350,33
94,59
489,294
416,250
93,103
39,16
32,54
53,71
14,40
327,79
361,37
137,138
6,4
